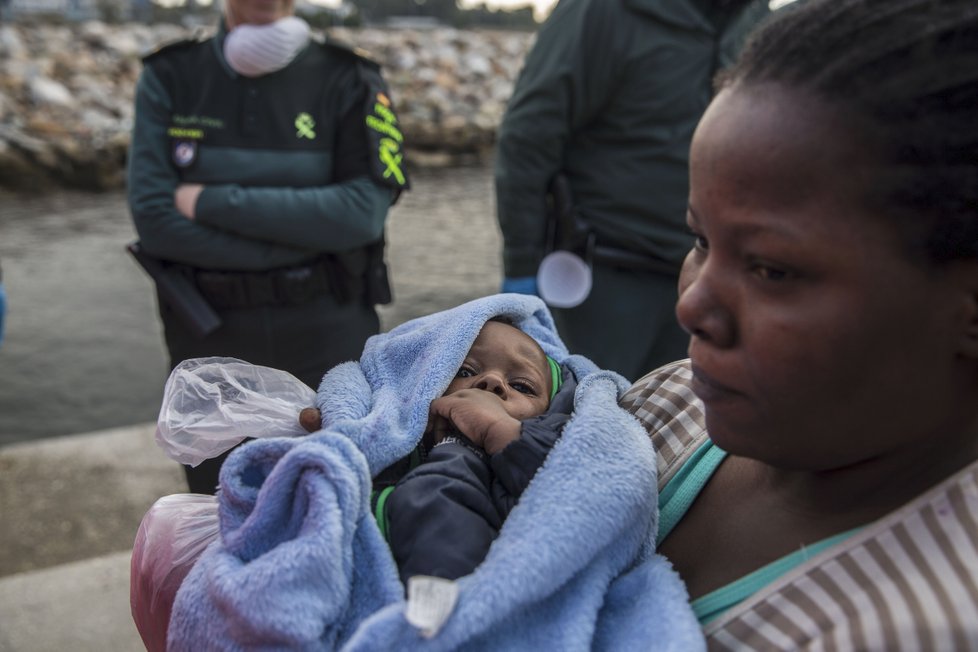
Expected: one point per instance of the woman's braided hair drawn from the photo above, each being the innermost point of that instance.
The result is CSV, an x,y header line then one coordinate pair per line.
x,y
908,71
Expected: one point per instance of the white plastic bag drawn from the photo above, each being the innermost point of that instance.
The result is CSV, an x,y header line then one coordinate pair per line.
x,y
212,404
171,537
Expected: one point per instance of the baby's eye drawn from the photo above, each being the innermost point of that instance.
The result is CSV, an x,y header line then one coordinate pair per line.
x,y
465,372
523,388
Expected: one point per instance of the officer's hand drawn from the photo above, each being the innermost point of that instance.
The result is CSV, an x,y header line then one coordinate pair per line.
x,y
520,285
185,199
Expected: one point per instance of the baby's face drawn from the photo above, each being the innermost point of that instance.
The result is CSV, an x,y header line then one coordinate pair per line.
x,y
508,362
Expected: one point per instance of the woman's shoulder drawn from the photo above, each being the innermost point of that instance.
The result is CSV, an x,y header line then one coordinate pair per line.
x,y
665,404
906,581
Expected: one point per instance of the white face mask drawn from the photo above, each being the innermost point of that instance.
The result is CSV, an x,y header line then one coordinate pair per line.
x,y
255,50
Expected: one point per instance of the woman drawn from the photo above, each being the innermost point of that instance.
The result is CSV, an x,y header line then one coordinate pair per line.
x,y
818,449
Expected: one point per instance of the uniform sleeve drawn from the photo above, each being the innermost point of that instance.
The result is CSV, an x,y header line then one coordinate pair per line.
x,y
440,517
340,216
562,86
152,181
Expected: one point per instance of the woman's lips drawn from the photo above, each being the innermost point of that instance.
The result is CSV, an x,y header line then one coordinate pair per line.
x,y
708,388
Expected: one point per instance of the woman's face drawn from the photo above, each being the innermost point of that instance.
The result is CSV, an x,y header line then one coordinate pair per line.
x,y
256,12
816,343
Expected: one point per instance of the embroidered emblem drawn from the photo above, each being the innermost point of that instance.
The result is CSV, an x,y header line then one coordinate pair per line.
x,y
200,120
184,153
183,132
183,145
303,126
391,157
384,122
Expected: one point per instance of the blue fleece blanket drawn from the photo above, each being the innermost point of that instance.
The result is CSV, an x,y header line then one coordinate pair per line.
x,y
301,564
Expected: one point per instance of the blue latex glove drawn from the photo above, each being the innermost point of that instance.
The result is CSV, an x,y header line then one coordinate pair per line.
x,y
520,285
3,308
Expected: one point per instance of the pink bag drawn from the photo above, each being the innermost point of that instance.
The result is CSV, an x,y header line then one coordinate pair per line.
x,y
171,537
209,406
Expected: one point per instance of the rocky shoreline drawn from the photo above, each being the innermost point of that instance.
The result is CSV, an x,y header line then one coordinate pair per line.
x,y
66,95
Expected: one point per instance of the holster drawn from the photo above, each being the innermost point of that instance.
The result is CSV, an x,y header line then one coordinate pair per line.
x,y
566,231
364,271
378,283
179,292
359,274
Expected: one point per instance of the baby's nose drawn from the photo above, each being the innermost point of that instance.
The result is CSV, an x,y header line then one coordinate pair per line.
x,y
491,382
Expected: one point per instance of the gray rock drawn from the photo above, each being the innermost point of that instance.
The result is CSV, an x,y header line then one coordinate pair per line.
x,y
66,96
11,45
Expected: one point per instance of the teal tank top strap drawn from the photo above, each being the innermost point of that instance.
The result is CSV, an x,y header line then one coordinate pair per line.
x,y
715,603
680,492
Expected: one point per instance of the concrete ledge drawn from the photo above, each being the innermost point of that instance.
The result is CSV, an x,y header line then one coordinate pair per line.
x,y
71,506
82,606
70,498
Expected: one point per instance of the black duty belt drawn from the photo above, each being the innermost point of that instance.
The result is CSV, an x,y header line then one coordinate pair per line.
x,y
278,287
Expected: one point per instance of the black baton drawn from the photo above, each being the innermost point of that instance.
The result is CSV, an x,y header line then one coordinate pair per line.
x,y
179,293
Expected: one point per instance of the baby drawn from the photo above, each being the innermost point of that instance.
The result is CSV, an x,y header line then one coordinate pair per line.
x,y
298,558
441,507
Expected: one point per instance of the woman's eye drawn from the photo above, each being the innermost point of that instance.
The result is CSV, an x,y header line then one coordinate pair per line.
x,y
700,243
769,273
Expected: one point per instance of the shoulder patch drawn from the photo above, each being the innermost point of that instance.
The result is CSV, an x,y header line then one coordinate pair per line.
x,y
199,36
383,132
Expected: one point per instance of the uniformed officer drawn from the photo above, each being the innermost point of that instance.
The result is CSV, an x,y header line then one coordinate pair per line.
x,y
606,104
262,166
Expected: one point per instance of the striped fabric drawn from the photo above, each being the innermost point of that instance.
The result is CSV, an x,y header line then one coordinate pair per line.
x,y
663,401
907,582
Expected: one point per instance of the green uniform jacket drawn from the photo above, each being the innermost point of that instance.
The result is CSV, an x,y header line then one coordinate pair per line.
x,y
610,95
291,165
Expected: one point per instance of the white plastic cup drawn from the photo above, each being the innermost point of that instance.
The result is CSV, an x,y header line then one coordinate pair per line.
x,y
563,280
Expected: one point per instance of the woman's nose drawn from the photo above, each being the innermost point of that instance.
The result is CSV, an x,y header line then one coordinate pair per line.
x,y
491,382
704,305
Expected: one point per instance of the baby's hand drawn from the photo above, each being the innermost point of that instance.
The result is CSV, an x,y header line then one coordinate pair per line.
x,y
477,414
310,419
